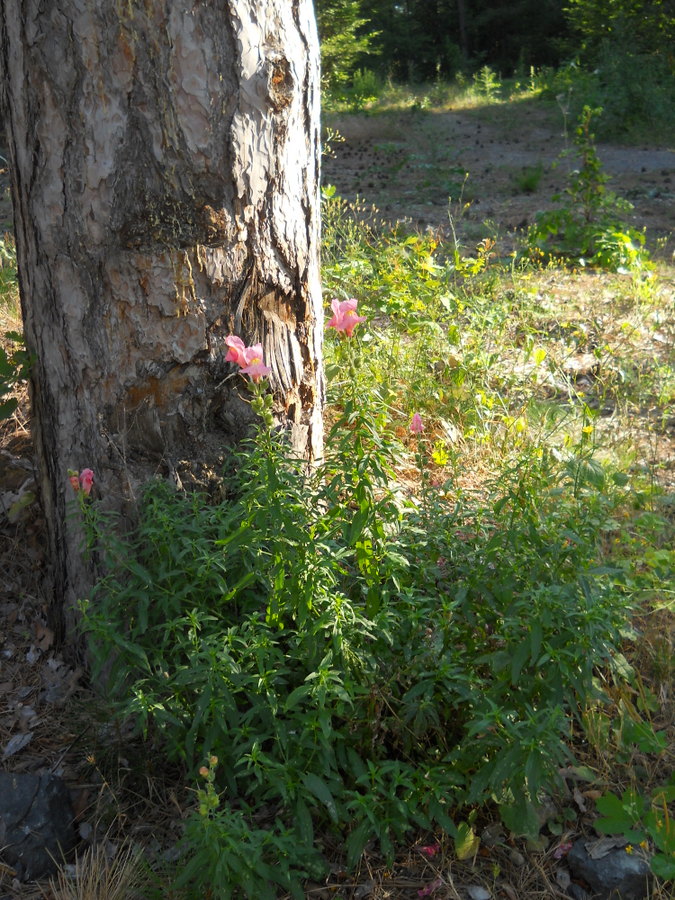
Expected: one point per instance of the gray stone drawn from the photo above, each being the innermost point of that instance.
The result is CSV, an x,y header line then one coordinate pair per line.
x,y
616,875
576,892
36,823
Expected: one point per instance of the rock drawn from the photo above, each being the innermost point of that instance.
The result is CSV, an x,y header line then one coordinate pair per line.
x,y
576,892
36,823
616,875
476,892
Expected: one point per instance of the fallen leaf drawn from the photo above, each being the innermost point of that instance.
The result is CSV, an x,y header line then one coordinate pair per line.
x,y
16,743
467,841
579,799
44,637
603,846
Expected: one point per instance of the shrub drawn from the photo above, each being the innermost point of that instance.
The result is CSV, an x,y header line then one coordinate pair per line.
x,y
356,663
588,228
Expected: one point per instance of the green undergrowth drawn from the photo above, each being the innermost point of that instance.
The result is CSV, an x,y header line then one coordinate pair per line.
x,y
356,665
14,361
634,89
426,626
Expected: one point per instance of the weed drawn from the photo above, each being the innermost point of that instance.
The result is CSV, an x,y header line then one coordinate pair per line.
x,y
588,230
14,369
487,84
356,664
641,819
528,179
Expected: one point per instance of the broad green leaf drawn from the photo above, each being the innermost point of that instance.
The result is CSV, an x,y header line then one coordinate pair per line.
x,y
663,866
520,657
321,791
467,841
356,842
521,818
615,819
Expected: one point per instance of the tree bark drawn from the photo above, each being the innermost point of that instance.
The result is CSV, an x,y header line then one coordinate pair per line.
x,y
165,182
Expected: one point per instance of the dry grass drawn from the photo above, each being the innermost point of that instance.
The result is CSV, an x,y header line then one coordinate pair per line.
x,y
103,872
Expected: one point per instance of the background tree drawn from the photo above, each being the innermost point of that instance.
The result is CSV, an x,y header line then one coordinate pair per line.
x,y
345,37
421,39
643,26
165,182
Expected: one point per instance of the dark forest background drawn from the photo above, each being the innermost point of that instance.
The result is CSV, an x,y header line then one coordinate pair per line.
x,y
623,50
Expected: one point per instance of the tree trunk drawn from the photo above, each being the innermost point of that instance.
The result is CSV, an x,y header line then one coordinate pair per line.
x,y
165,182
461,24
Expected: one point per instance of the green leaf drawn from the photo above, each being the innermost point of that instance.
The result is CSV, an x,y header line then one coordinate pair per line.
x,y
536,638
663,866
520,657
7,407
521,818
296,695
642,734
439,814
321,791
303,822
615,818
467,841
356,842
534,771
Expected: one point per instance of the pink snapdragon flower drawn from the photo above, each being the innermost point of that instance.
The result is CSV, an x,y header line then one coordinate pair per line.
x,y
344,316
84,481
255,366
417,425
237,351
249,359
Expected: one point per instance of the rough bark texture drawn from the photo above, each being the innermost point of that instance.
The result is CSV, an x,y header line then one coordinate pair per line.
x,y
165,165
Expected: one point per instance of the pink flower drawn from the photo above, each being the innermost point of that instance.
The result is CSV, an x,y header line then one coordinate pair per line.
x,y
562,850
430,888
237,351
249,359
86,480
254,365
344,316
430,851
417,425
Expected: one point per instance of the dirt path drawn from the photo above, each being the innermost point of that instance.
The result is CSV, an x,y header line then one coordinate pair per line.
x,y
408,164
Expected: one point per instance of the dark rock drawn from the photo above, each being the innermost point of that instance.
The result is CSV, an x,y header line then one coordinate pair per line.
x,y
576,892
36,823
616,875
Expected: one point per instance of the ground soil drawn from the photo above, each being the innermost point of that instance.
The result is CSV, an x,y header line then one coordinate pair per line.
x,y
413,164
